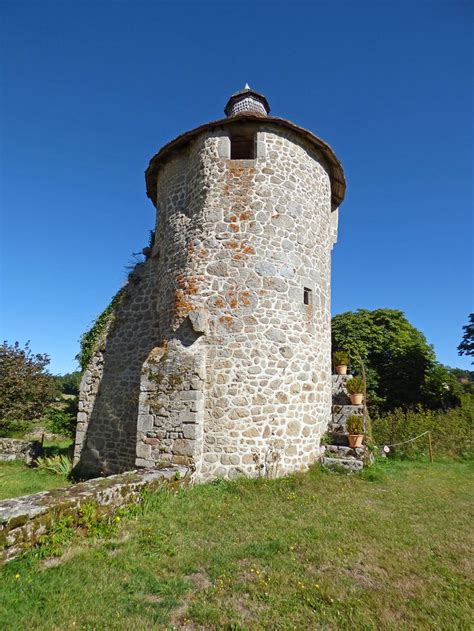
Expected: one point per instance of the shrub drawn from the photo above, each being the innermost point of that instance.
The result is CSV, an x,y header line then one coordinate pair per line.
x,y
354,424
61,465
340,358
68,383
26,388
61,422
12,428
452,432
355,385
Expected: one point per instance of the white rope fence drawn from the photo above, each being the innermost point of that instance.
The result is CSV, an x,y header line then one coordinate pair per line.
x,y
408,441
386,448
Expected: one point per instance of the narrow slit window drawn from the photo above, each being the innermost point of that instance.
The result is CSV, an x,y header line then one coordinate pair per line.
x,y
307,297
242,146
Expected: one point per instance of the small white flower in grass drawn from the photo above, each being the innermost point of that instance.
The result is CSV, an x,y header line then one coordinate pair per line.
x,y
386,449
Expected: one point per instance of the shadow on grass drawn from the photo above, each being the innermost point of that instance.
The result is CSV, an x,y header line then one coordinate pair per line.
x,y
59,448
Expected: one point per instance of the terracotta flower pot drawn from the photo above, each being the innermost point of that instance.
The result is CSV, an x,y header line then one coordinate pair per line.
x,y
356,399
341,369
355,440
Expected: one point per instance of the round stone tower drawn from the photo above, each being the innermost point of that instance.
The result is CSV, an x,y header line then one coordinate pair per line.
x,y
219,353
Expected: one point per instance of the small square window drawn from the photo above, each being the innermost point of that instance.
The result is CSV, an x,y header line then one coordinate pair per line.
x,y
307,296
242,145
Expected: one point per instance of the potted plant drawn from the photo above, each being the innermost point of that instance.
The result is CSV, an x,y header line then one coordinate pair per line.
x,y
355,430
355,390
340,360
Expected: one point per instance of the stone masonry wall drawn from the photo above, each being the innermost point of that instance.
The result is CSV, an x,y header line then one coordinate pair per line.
x,y
106,433
121,415
215,360
267,227
24,520
170,424
16,449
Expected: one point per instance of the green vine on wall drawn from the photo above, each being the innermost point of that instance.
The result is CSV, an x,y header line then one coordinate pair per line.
x,y
91,339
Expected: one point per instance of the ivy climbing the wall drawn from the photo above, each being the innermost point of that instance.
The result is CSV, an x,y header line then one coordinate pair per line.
x,y
91,339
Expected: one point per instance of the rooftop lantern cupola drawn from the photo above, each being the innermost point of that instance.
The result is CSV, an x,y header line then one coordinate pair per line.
x,y
247,101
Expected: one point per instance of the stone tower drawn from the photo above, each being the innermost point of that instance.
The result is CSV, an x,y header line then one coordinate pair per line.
x,y
217,354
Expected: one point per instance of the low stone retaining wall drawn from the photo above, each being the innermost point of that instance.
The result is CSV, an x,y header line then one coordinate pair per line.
x,y
24,519
16,449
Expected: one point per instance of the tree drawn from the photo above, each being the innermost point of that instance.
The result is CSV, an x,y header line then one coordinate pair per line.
x,y
26,387
401,366
465,378
463,375
442,388
466,347
69,383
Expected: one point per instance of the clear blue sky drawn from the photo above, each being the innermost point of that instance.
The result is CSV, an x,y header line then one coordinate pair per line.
x,y
90,91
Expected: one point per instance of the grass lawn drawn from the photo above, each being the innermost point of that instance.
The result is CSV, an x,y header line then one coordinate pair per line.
x,y
389,548
17,479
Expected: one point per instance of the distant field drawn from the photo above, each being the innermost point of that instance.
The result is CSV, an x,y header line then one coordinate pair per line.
x,y
18,479
388,549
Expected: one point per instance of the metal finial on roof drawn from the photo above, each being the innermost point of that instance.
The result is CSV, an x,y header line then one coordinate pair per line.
x,y
247,100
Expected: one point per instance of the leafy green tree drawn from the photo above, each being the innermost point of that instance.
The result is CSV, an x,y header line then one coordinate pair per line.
x,y
463,375
69,383
442,388
401,366
26,387
62,421
466,347
465,378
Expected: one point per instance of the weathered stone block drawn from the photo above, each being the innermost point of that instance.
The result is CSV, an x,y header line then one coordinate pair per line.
x,y
184,447
191,430
145,422
143,451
